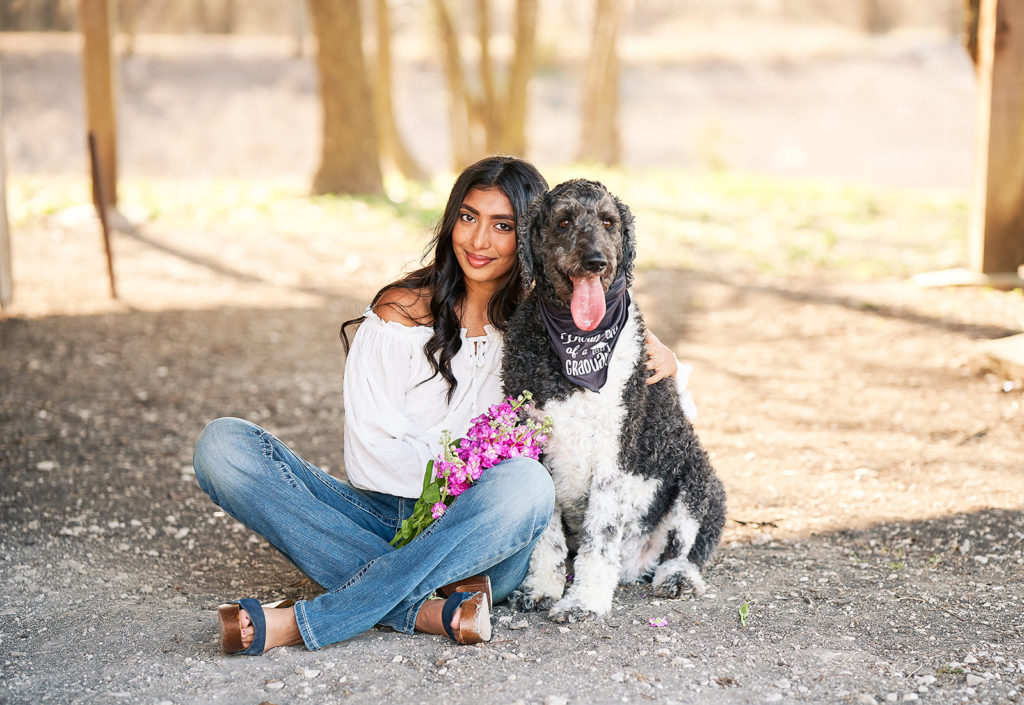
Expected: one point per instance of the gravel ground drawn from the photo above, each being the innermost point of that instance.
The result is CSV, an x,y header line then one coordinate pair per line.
x,y
878,546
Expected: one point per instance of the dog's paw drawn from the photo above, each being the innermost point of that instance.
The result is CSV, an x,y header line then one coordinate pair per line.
x,y
678,584
527,600
572,611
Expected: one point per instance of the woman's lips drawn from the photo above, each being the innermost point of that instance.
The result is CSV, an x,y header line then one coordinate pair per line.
x,y
478,260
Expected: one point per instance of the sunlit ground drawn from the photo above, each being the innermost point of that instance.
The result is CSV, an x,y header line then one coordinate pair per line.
x,y
272,234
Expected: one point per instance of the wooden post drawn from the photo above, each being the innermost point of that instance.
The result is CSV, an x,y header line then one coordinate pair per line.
x,y
996,240
98,200
99,90
6,275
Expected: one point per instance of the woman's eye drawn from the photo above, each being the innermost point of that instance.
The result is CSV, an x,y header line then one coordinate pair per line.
x,y
564,223
504,227
466,217
607,224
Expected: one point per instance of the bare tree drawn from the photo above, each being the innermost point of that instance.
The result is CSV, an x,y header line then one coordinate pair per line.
x,y
599,135
392,148
349,160
492,118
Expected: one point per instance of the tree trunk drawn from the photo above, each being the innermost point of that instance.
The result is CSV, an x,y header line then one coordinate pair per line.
x,y
513,135
462,146
350,160
99,90
599,136
392,147
488,109
970,31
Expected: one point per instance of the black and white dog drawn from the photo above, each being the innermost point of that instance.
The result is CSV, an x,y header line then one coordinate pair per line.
x,y
635,494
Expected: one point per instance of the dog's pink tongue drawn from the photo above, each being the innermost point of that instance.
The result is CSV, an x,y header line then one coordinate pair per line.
x,y
587,305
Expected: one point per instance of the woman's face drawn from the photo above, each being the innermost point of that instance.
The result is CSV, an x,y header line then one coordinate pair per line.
x,y
484,238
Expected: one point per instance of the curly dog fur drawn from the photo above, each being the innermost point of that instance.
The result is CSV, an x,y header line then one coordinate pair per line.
x,y
636,496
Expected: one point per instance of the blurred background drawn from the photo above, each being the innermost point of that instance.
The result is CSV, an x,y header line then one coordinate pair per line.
x,y
831,137
864,91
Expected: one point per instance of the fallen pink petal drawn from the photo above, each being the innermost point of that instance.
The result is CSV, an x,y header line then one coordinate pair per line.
x,y
658,622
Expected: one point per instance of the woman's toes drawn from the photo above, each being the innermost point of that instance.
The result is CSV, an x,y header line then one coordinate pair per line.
x,y
244,624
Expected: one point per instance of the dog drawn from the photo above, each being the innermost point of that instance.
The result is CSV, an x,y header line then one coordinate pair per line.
x,y
636,497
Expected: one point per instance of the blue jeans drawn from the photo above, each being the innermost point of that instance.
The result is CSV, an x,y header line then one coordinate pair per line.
x,y
340,535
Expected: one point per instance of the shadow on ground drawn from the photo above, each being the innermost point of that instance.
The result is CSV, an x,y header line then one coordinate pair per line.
x,y
114,559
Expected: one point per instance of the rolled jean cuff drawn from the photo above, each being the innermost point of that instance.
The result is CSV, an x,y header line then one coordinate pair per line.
x,y
300,619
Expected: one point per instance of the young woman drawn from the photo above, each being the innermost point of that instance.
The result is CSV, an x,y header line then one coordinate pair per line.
x,y
426,357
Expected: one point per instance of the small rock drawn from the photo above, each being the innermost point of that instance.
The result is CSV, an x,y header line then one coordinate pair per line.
x,y
782,684
46,465
973,680
181,533
663,652
773,698
865,699
505,619
662,639
892,697
564,630
521,624
274,685
926,680
397,658
618,676
555,700
310,673
910,697
968,659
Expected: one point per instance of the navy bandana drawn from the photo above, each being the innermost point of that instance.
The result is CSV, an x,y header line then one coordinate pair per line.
x,y
585,355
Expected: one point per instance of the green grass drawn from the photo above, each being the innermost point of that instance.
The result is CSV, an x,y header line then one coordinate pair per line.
x,y
684,219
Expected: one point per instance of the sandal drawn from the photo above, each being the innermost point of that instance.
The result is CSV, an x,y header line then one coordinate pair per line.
x,y
477,583
231,632
475,622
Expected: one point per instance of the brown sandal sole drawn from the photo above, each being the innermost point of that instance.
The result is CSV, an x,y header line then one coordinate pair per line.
x,y
475,620
477,583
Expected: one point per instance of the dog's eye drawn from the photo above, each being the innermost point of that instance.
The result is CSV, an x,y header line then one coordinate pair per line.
x,y
607,224
564,223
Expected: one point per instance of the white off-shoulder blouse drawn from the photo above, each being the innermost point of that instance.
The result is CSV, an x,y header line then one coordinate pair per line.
x,y
395,411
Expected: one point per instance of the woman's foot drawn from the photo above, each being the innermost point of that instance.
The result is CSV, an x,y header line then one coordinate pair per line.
x,y
247,627
430,619
281,630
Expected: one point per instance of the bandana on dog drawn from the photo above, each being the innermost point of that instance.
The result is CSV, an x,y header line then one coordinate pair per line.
x,y
585,354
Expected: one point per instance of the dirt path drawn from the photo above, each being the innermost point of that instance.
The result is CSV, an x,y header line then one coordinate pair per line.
x,y
876,528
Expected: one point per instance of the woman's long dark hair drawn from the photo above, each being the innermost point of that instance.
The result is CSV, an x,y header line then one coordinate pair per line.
x,y
442,278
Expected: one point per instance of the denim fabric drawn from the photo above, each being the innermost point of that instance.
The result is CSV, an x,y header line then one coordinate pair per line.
x,y
340,535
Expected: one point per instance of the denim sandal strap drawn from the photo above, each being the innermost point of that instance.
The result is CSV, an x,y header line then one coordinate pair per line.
x,y
259,625
448,611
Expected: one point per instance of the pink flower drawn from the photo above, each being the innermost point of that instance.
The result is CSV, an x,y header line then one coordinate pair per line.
x,y
438,509
658,622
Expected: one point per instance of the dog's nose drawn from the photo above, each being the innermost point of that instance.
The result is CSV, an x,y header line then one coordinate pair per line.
x,y
594,261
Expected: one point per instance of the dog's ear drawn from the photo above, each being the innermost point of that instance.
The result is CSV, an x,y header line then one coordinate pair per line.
x,y
628,239
527,234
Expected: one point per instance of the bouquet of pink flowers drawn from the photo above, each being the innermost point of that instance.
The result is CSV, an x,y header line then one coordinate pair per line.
x,y
504,431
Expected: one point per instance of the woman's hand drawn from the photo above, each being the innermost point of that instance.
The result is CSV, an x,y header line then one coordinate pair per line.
x,y
660,360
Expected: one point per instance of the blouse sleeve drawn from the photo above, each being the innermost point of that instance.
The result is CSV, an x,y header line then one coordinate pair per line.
x,y
381,451
685,398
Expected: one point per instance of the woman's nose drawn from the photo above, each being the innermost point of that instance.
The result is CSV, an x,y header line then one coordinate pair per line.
x,y
480,239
